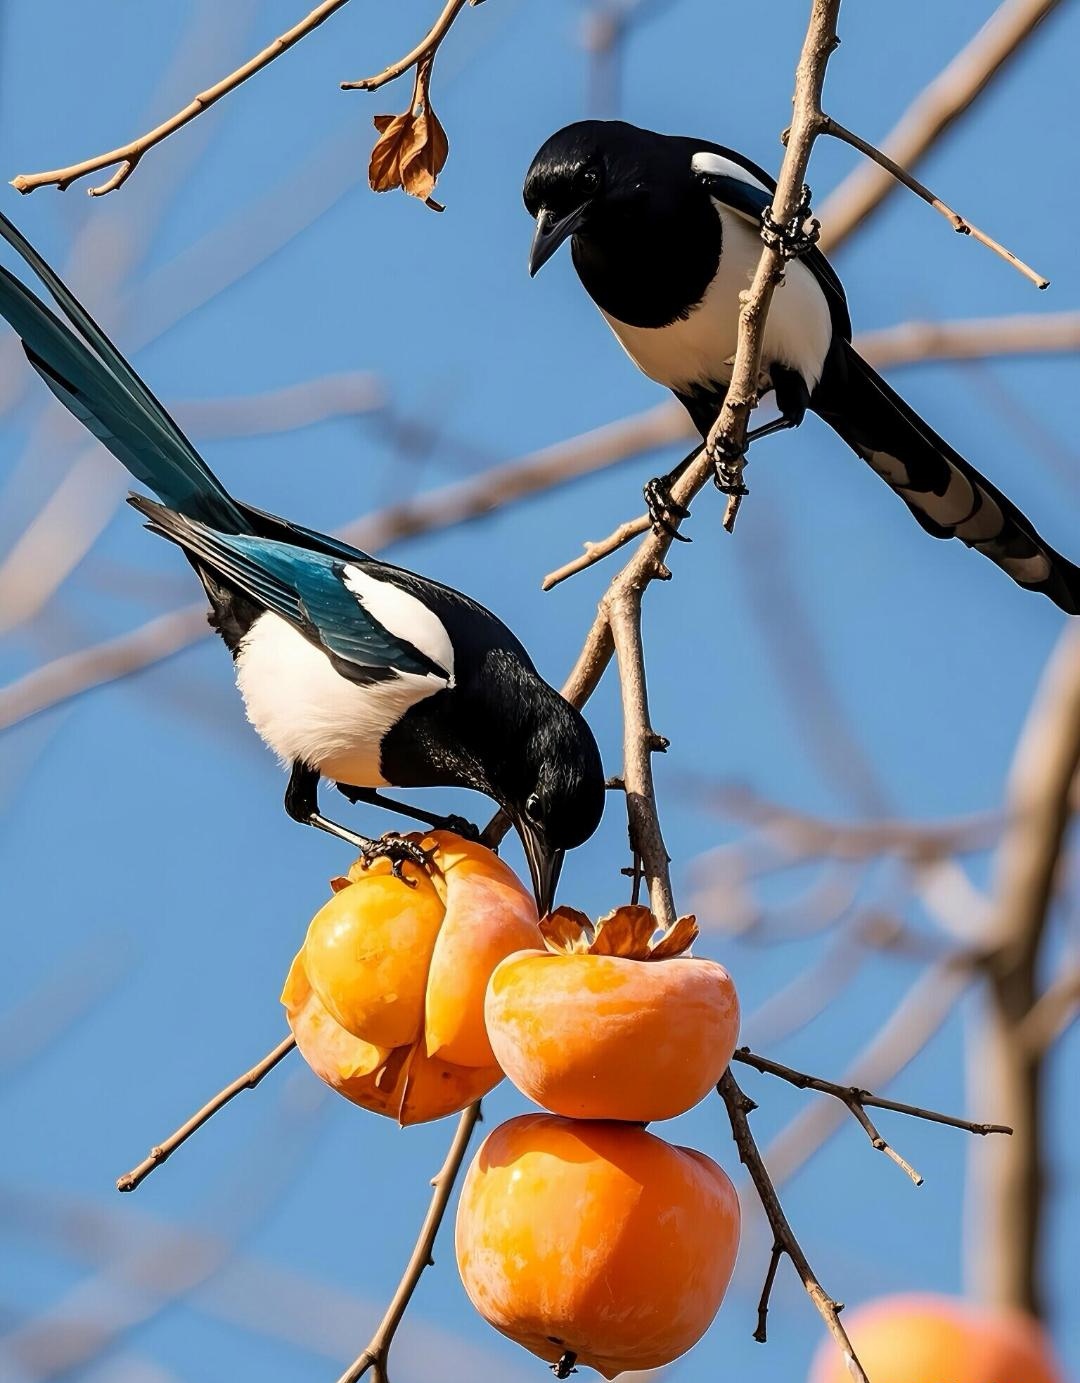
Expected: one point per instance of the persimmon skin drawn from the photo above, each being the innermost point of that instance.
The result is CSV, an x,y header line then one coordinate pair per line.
x,y
403,1084
924,1338
366,955
606,1037
595,1238
386,998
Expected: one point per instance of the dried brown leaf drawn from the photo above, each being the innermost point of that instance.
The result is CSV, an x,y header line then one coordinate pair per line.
x,y
411,148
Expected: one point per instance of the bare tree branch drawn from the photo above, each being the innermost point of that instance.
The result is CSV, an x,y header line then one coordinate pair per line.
x,y
374,1358
933,112
856,1100
929,1002
426,48
1055,1009
914,343
958,222
127,156
248,1081
1005,1251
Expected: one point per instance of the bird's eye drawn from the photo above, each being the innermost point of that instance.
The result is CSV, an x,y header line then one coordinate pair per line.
x,y
590,177
532,807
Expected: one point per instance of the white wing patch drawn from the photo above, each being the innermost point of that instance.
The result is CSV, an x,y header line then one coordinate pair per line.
x,y
715,165
403,616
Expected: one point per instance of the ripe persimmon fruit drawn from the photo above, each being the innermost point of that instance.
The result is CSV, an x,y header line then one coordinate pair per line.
x,y
925,1338
595,1242
386,997
607,1023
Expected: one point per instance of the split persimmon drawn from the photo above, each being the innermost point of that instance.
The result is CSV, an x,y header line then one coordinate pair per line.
x,y
924,1338
386,997
595,1243
607,1024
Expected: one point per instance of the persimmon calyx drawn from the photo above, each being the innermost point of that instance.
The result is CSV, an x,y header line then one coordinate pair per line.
x,y
629,931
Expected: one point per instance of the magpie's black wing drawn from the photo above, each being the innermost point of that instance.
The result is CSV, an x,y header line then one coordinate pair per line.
x,y
740,184
305,587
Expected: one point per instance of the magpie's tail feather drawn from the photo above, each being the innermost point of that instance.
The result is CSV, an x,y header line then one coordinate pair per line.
x,y
946,494
95,383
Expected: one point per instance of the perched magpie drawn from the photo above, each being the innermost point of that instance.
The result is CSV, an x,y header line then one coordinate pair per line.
x,y
350,668
665,233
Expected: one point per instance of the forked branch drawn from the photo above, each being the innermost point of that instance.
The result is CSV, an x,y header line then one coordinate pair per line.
x,y
127,156
857,1100
425,49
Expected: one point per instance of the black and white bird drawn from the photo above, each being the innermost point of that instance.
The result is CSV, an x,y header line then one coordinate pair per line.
x,y
665,234
350,668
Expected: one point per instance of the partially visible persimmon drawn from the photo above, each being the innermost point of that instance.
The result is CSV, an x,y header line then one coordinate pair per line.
x,y
607,1024
595,1243
385,998
923,1338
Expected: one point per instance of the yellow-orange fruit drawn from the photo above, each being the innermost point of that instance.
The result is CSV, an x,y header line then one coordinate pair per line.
x,y
385,998
639,1034
922,1338
596,1240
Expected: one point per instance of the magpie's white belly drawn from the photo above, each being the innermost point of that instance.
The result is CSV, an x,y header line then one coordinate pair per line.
x,y
701,349
305,710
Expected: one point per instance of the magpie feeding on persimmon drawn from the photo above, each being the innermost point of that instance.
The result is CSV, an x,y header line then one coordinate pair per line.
x,y
665,234
350,668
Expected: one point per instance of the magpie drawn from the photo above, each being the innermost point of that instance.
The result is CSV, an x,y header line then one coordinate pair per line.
x,y
665,234
351,669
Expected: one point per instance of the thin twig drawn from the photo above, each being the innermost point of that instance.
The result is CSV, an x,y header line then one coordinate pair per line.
x,y
761,1334
127,156
377,1353
959,223
856,1100
248,1081
738,1106
424,49
596,552
932,113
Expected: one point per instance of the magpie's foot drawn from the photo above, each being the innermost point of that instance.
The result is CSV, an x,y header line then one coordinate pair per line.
x,y
728,466
795,237
658,498
397,850
459,826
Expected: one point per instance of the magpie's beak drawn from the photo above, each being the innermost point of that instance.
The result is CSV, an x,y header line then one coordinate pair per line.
x,y
551,231
545,866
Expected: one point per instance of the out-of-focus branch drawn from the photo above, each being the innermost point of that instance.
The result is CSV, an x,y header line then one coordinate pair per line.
x,y
426,48
937,107
127,156
347,395
914,343
375,1357
802,835
1010,1181
248,1081
959,223
1055,1009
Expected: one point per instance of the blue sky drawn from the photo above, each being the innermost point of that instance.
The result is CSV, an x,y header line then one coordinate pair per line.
x,y
144,850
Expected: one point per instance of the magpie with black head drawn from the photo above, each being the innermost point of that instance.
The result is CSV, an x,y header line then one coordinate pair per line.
x,y
350,668
665,234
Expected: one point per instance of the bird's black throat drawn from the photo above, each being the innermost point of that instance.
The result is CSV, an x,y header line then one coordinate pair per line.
x,y
648,262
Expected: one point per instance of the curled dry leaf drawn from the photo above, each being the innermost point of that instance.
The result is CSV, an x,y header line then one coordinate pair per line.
x,y
628,931
412,147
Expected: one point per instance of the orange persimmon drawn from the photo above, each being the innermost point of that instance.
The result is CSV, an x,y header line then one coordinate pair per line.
x,y
924,1338
607,1024
596,1243
386,996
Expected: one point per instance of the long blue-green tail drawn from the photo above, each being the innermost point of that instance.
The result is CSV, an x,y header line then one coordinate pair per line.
x,y
94,382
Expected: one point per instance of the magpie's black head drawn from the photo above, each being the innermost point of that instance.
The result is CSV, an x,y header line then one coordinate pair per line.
x,y
591,175
535,755
552,788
